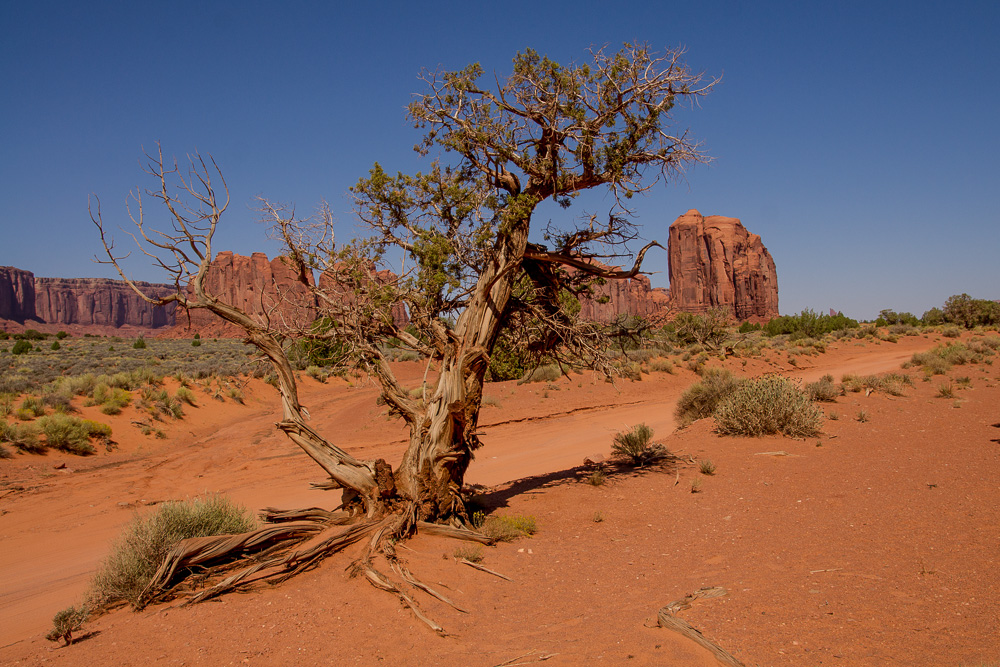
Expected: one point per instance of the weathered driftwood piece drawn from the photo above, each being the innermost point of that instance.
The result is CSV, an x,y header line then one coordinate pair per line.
x,y
667,618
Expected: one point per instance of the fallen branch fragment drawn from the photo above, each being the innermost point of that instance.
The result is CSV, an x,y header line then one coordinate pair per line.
x,y
780,453
484,569
667,618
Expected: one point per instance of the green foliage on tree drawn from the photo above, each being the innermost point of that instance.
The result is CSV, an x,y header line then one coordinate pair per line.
x,y
808,324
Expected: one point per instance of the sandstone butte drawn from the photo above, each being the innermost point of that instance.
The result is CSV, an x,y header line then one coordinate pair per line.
x,y
713,261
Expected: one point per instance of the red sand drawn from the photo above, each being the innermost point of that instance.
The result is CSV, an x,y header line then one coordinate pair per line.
x,y
874,544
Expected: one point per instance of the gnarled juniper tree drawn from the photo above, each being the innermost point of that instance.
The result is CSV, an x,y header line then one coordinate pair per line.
x,y
497,148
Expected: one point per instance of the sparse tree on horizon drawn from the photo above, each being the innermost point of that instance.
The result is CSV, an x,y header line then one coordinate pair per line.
x,y
497,149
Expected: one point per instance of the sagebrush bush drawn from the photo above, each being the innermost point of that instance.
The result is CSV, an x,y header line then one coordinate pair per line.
x,y
701,399
146,541
22,436
72,434
767,405
547,373
823,389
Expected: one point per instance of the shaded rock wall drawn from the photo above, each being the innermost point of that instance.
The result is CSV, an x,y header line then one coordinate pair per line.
x,y
17,294
715,261
99,301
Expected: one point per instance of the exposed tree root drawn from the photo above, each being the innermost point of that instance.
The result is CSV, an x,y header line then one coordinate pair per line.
x,y
667,618
295,540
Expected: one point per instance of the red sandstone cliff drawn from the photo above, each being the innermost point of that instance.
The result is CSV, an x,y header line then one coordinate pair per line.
x,y
17,294
634,296
715,261
99,301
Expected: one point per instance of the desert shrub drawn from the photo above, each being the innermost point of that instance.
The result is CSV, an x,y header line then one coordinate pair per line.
x,y
767,405
637,446
72,434
235,394
951,332
597,478
6,404
808,324
547,373
316,373
139,344
21,347
158,401
662,366
890,318
963,310
65,623
58,401
823,389
114,401
709,329
706,467
22,436
508,528
34,406
5,453
472,553
146,541
55,345
889,383
701,399
185,395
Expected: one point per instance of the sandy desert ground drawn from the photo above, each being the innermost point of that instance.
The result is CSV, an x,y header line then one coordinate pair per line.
x,y
876,543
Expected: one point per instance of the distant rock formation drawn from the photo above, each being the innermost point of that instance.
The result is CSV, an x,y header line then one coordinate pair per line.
x,y
715,261
100,301
267,290
633,296
17,294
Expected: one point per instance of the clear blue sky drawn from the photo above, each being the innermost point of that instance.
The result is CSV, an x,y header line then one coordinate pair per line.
x,y
859,139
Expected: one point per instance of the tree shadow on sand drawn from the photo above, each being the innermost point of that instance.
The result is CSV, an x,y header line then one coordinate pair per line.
x,y
499,496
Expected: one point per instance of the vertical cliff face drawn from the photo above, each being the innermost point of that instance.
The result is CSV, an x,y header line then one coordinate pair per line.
x,y
634,296
715,261
17,294
267,290
99,301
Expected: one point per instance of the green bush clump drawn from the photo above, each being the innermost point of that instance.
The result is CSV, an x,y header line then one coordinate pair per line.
x,y
139,344
701,399
72,434
808,324
767,405
146,541
21,347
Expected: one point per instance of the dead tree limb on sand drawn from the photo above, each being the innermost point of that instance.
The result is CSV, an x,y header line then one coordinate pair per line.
x,y
667,618
470,274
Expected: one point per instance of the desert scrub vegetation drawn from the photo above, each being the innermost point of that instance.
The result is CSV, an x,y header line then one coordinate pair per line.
x,y
546,373
636,446
23,437
90,356
72,434
701,399
823,389
66,622
888,383
940,359
144,544
505,528
767,405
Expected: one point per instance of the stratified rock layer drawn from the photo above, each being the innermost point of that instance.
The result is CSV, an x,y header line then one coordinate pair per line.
x,y
99,301
715,261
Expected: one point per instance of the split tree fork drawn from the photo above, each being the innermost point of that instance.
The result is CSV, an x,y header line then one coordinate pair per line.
x,y
500,148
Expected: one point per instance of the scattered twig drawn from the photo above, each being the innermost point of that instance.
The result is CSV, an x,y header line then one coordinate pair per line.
x,y
667,618
484,569
779,453
832,569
